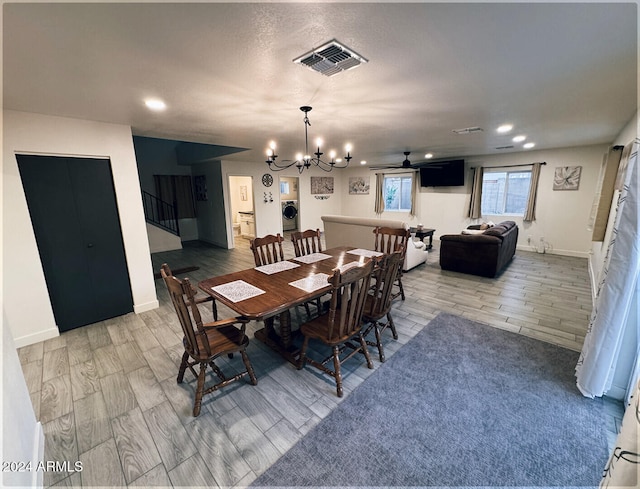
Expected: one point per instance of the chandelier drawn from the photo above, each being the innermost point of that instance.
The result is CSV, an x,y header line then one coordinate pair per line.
x,y
305,161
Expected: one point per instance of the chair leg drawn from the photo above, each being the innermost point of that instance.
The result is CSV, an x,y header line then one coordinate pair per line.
x,y
365,350
337,372
379,343
401,288
247,364
392,326
199,389
183,367
303,353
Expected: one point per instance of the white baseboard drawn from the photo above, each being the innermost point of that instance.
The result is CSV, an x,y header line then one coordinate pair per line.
x,y
148,306
30,339
578,254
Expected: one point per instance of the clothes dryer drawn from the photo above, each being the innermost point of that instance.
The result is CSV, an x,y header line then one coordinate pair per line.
x,y
289,215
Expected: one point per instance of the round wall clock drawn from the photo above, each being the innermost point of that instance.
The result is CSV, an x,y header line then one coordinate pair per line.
x,y
267,180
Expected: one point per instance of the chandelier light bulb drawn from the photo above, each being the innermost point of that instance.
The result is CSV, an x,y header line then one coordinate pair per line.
x,y
272,145
269,152
319,142
298,156
348,147
332,154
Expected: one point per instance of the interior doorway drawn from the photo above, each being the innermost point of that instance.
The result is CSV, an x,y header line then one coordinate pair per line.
x,y
242,208
290,204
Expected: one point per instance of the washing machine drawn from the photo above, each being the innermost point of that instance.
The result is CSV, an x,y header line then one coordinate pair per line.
x,y
289,215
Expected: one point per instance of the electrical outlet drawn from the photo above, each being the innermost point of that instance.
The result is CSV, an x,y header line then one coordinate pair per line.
x,y
528,239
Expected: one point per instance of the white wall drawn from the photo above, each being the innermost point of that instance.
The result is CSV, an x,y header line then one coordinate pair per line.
x,y
24,278
22,434
562,216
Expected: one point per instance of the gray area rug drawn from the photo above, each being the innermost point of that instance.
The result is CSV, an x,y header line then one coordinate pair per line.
x,y
460,405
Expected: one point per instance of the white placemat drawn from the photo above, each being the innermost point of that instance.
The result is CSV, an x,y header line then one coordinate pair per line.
x,y
277,267
312,258
363,252
312,282
237,290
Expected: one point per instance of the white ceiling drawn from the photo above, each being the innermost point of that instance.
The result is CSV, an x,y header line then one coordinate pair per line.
x,y
562,74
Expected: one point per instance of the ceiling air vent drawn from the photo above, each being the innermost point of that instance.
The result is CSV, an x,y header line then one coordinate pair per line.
x,y
505,147
331,58
468,130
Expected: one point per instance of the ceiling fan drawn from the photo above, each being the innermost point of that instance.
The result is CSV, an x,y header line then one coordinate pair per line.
x,y
405,165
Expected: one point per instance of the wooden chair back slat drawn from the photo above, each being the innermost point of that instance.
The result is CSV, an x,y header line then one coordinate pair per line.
x,y
388,240
348,296
384,277
183,298
267,250
306,242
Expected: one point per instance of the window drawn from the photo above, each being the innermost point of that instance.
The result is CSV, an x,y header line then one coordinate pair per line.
x,y
505,192
397,193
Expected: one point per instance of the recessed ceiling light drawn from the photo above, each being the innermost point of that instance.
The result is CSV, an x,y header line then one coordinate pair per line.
x,y
363,162
505,128
528,145
519,139
155,104
428,155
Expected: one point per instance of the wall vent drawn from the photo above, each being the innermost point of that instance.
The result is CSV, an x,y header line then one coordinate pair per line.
x,y
468,130
331,58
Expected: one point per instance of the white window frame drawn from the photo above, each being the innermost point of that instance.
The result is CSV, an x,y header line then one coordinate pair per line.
x,y
506,191
410,177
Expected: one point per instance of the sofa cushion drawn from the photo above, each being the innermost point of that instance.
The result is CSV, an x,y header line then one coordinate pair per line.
x,y
498,231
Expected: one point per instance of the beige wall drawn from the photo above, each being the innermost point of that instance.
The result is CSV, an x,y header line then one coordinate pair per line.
x,y
562,216
25,284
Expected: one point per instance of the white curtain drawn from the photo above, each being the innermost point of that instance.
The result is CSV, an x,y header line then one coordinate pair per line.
x,y
623,469
616,292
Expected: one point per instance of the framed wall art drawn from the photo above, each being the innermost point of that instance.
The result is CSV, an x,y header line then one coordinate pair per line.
x,y
358,185
567,178
321,185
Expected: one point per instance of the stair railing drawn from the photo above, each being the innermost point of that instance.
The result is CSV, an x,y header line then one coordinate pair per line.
x,y
160,213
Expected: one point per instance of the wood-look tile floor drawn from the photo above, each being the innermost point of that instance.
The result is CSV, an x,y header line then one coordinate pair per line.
x,y
107,395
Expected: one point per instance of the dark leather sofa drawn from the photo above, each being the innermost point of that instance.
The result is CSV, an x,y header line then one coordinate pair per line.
x,y
484,254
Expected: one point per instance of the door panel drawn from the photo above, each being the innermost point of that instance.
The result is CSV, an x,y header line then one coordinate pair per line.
x,y
72,207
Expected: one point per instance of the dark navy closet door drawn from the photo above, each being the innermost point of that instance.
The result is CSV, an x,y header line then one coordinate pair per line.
x,y
77,228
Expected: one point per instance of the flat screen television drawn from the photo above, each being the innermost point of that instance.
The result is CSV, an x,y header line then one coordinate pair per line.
x,y
448,173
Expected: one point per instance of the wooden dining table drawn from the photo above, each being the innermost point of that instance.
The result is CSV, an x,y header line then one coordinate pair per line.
x,y
262,293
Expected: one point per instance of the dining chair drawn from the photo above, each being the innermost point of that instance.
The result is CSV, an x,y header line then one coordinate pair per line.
x,y
342,323
166,270
378,303
388,240
306,242
267,250
204,343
